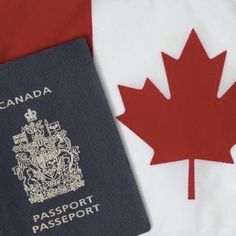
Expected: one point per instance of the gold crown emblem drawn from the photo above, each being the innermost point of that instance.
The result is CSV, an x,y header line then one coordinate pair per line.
x,y
47,163
31,115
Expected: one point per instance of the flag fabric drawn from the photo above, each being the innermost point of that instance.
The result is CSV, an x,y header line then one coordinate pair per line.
x,y
133,43
28,26
129,38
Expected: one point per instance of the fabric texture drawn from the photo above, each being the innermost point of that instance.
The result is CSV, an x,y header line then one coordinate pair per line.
x,y
63,170
28,26
129,38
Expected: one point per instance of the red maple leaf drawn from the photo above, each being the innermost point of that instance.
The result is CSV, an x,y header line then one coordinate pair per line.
x,y
193,123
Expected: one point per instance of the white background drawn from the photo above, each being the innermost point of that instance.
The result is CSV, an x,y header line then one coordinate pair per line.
x,y
129,36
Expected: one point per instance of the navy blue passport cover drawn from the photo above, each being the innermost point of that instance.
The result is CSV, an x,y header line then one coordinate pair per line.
x,y
63,170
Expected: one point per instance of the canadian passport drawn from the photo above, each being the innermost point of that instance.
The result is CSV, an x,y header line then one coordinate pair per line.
x,y
63,170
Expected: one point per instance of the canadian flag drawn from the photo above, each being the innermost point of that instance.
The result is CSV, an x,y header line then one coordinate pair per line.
x,y
179,126
169,60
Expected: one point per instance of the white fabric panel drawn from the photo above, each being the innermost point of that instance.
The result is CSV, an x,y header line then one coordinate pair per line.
x,y
129,36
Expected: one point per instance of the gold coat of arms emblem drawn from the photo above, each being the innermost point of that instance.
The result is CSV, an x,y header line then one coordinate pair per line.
x,y
47,163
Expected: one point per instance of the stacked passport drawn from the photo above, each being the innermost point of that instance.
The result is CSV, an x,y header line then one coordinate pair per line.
x,y
63,170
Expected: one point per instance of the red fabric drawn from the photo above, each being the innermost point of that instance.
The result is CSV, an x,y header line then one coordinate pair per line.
x,y
194,123
27,26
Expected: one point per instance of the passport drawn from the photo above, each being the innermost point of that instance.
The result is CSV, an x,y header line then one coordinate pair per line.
x,y
63,169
